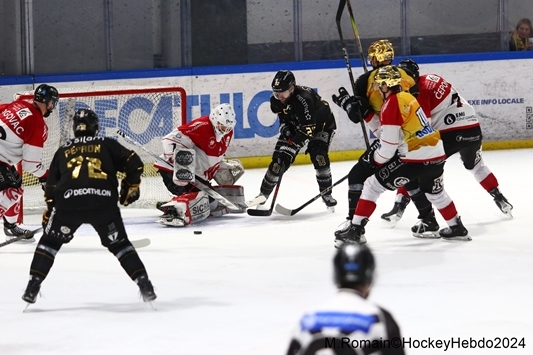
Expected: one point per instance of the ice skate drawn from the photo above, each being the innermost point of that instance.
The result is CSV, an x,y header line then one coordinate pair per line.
x,y
502,202
456,232
352,233
13,231
171,218
329,201
145,288
32,290
396,213
426,227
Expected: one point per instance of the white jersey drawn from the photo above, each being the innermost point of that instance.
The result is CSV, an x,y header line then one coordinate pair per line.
x,y
200,136
347,321
23,132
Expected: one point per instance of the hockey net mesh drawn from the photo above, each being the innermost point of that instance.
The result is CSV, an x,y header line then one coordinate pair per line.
x,y
144,114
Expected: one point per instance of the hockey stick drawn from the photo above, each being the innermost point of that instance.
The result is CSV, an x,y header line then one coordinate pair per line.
x,y
266,213
140,243
342,3
21,237
287,212
199,182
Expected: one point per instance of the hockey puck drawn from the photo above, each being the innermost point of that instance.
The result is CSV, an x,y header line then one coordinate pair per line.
x,y
197,232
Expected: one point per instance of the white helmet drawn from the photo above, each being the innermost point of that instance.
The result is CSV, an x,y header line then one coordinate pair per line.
x,y
223,120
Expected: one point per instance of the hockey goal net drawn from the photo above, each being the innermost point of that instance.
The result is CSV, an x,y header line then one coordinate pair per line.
x,y
144,114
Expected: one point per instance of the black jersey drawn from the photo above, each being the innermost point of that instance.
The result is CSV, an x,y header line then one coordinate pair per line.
x,y
83,173
306,111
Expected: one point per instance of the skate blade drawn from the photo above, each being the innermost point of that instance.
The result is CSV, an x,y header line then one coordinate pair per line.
x,y
331,209
427,235
26,306
340,242
465,238
152,305
389,221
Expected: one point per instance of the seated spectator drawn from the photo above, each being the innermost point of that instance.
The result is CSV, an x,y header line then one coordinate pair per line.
x,y
519,40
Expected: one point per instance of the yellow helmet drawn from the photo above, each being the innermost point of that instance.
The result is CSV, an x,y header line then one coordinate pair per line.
x,y
388,75
382,50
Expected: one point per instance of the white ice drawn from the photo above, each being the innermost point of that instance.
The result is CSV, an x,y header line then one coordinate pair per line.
x,y
241,286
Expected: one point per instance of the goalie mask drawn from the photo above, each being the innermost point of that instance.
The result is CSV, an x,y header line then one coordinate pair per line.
x,y
46,94
353,265
223,120
85,123
382,50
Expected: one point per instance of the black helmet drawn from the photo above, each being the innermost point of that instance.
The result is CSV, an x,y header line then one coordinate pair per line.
x,y
353,265
85,123
410,67
283,80
46,93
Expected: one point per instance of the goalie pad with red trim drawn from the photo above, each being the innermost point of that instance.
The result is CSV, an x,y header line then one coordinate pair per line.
x,y
185,209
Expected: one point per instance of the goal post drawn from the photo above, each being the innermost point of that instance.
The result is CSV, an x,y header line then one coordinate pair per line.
x,y
143,113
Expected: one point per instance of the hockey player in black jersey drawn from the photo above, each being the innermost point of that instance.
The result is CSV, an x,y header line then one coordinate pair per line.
x,y
348,323
82,187
305,118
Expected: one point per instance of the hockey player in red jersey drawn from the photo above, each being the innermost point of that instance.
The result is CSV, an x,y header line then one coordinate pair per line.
x,y
460,131
23,132
197,149
408,149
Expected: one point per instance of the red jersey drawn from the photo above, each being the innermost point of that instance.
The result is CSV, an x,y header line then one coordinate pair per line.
x,y
23,132
200,136
444,105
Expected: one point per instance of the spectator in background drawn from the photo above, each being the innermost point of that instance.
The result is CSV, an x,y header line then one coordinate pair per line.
x,y
520,37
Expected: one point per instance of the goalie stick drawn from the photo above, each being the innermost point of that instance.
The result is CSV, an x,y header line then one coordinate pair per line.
x,y
288,212
199,182
342,4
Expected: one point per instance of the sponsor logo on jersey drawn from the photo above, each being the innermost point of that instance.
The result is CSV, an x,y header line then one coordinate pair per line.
x,y
86,191
212,142
25,112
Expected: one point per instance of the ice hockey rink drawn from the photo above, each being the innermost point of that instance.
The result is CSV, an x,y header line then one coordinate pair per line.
x,y
241,286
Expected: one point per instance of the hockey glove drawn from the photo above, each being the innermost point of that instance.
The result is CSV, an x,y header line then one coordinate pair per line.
x,y
276,106
129,193
350,104
42,180
46,218
367,159
286,131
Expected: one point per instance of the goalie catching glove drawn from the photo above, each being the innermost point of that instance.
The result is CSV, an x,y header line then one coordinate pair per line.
x,y
129,193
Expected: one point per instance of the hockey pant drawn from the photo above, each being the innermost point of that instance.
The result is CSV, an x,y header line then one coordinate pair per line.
x,y
395,172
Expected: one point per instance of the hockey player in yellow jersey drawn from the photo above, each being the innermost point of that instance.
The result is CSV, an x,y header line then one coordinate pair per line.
x,y
408,149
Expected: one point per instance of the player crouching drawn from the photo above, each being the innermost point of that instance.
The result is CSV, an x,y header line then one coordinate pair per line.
x,y
197,149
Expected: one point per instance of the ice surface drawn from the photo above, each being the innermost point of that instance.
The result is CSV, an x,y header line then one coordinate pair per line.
x,y
241,286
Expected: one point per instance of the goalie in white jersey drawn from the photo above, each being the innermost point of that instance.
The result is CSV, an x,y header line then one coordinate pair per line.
x,y
23,132
348,323
197,149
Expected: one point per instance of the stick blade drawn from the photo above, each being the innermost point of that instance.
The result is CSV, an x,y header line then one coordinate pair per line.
x,y
140,243
284,210
259,213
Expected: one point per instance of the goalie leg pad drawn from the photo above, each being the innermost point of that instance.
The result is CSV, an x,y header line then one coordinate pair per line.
x,y
229,172
234,194
190,207
184,166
